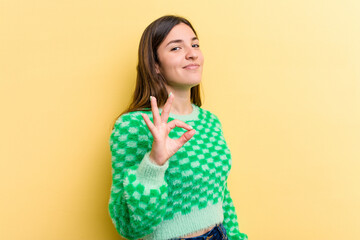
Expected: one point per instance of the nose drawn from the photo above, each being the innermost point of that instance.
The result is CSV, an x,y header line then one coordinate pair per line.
x,y
191,53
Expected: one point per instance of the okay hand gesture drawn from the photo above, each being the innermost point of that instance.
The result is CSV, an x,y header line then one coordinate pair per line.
x,y
163,146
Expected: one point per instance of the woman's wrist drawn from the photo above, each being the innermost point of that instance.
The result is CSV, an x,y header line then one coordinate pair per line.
x,y
156,160
150,173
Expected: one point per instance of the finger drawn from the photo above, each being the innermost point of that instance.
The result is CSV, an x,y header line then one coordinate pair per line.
x,y
149,123
166,110
155,110
185,137
177,123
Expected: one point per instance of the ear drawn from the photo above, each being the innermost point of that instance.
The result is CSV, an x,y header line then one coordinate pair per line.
x,y
157,68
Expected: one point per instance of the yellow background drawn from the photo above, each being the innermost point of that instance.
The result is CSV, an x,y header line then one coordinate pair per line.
x,y
282,76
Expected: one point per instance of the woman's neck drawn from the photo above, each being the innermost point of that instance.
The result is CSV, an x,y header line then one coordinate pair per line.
x,y
181,104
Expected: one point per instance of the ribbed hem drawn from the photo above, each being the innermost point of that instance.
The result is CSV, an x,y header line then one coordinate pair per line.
x,y
150,173
182,225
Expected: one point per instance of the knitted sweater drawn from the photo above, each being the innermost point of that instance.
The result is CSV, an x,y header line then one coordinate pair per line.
x,y
187,194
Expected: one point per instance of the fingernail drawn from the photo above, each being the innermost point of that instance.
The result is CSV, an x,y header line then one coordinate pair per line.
x,y
191,127
170,94
150,98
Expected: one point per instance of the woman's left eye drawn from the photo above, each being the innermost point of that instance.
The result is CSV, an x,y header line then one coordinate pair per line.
x,y
196,45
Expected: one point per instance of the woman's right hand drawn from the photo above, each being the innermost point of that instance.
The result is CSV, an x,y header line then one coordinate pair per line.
x,y
163,146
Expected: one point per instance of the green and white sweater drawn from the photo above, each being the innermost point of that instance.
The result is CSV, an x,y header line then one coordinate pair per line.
x,y
187,194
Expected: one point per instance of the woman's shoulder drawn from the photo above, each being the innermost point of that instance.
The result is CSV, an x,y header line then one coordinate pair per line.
x,y
129,119
130,115
207,114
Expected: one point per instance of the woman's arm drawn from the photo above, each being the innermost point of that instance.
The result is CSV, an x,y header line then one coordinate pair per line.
x,y
139,192
230,219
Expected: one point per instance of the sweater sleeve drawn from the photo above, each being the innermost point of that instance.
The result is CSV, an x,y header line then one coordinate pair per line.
x,y
230,219
139,192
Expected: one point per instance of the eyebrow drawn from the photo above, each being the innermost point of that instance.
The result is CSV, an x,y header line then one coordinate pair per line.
x,y
179,41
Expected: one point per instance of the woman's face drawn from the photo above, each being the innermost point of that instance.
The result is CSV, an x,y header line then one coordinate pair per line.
x,y
181,60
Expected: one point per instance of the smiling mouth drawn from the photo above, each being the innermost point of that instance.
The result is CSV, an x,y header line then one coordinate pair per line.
x,y
192,66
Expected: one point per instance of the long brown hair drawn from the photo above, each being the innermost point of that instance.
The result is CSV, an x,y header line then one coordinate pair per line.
x,y
148,82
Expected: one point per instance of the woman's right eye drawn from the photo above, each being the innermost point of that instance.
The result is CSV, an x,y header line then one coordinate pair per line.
x,y
175,48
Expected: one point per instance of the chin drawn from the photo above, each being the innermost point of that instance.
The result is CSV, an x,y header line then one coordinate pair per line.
x,y
194,79
188,80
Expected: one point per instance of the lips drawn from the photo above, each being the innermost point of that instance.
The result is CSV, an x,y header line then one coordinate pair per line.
x,y
192,66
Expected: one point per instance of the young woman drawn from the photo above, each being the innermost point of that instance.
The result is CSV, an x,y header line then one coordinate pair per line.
x,y
169,157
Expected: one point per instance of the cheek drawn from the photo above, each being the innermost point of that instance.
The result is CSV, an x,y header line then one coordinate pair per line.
x,y
171,64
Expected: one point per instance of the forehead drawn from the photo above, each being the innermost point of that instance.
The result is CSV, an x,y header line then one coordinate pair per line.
x,y
180,31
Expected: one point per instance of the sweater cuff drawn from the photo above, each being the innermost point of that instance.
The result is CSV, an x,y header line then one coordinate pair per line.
x,y
150,173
